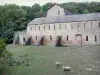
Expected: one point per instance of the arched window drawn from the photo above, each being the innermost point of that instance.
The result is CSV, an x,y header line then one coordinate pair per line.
x,y
95,38
50,37
86,38
67,37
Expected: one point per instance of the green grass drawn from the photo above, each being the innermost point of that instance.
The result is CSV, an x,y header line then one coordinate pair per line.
x,y
82,60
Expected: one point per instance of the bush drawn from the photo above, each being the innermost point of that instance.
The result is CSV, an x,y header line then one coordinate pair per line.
x,y
6,58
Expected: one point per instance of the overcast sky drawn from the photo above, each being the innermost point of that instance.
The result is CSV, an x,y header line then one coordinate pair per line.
x,y
41,2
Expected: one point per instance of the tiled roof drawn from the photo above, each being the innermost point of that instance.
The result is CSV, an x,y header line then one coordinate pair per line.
x,y
65,19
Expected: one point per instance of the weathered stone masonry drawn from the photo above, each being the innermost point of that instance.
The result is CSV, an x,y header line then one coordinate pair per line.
x,y
82,29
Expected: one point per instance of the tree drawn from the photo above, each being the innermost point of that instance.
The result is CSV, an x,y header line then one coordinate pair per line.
x,y
85,11
12,18
5,56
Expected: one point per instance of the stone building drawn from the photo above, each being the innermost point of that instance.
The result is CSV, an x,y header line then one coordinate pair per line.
x,y
65,27
20,37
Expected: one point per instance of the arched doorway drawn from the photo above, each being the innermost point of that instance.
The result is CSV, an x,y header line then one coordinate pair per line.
x,y
78,39
17,40
41,42
58,42
29,41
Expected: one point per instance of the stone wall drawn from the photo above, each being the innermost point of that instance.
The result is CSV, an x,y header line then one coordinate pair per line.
x,y
21,37
55,11
89,30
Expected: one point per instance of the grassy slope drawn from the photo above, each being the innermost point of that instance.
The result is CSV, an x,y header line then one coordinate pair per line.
x,y
42,60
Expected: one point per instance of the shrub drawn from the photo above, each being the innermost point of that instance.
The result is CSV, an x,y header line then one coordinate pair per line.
x,y
6,58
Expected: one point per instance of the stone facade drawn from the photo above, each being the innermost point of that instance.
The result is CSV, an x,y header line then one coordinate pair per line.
x,y
73,29
20,38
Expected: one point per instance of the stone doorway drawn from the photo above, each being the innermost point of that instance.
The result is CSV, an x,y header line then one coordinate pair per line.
x,y
58,42
78,39
41,42
29,41
17,40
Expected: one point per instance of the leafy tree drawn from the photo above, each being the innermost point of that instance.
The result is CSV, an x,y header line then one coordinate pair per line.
x,y
85,11
12,18
5,56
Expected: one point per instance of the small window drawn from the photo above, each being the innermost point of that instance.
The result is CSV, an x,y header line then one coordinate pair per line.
x,y
31,28
86,38
50,37
44,27
84,25
59,26
99,24
95,38
58,12
24,39
67,37
65,27
36,37
49,27
54,27
71,26
78,25
39,27
91,24
35,27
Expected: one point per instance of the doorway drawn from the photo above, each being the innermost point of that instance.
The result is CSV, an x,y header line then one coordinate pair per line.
x,y
78,39
58,42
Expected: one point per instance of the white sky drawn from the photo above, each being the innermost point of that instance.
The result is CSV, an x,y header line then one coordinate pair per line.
x,y
41,2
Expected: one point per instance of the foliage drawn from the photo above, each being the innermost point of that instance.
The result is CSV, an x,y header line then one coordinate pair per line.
x,y
15,18
5,56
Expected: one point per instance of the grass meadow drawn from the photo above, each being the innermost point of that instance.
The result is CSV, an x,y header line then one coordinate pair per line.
x,y
41,60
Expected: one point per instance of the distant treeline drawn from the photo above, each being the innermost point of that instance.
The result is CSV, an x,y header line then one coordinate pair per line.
x,y
15,18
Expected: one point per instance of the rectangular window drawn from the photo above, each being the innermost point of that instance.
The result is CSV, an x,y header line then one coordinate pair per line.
x,y
95,38
78,25
49,27
84,25
86,38
67,37
59,26
50,37
65,26
91,24
58,12
71,26
44,27
54,27
35,27
36,37
31,28
99,24
39,27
